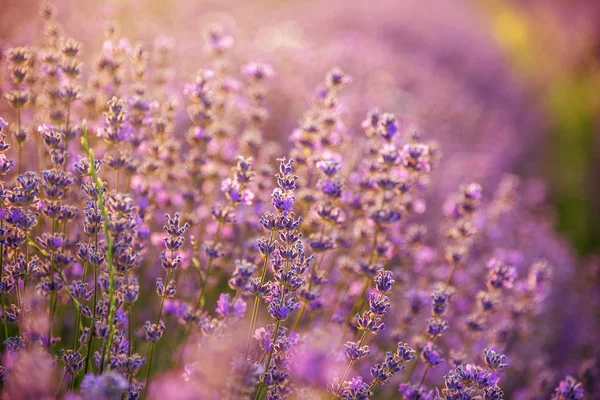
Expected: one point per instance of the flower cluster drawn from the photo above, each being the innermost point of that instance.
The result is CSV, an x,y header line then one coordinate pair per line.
x,y
183,251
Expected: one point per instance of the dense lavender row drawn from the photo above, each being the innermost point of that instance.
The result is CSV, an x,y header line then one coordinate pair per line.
x,y
144,256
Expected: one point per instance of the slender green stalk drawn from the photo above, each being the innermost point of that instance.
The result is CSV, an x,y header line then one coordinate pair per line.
x,y
60,384
412,369
275,334
53,294
4,316
449,279
153,344
2,296
313,270
109,242
130,333
204,282
68,117
91,332
26,259
77,323
424,375
335,395
20,145
372,384
201,296
263,273
414,364
361,299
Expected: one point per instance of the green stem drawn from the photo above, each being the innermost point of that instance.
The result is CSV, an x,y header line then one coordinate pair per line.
x,y
412,369
313,270
449,279
60,384
373,258
4,316
130,333
263,273
202,295
26,261
275,333
424,375
149,368
77,322
107,237
68,117
91,332
372,384
2,296
20,145
53,293
185,340
258,392
299,317
152,344
335,395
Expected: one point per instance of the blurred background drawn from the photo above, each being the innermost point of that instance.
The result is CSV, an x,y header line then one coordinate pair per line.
x,y
503,85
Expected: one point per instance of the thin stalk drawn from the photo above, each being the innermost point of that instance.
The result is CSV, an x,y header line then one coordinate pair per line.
x,y
77,323
204,282
313,270
149,368
299,317
107,237
130,330
26,260
186,334
85,266
68,117
201,298
275,333
258,392
102,356
335,395
20,145
263,273
373,258
340,298
412,369
424,375
449,279
53,293
152,344
414,365
130,333
372,384
91,333
60,384
4,316
72,382
3,305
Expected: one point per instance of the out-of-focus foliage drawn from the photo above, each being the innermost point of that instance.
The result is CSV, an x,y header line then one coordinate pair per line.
x,y
554,46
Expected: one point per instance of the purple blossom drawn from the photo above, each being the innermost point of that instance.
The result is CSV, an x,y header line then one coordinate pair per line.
x,y
226,306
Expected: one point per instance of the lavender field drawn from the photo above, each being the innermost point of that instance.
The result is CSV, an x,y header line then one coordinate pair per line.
x,y
299,200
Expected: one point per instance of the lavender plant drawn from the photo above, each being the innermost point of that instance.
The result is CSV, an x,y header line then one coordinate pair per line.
x,y
180,252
